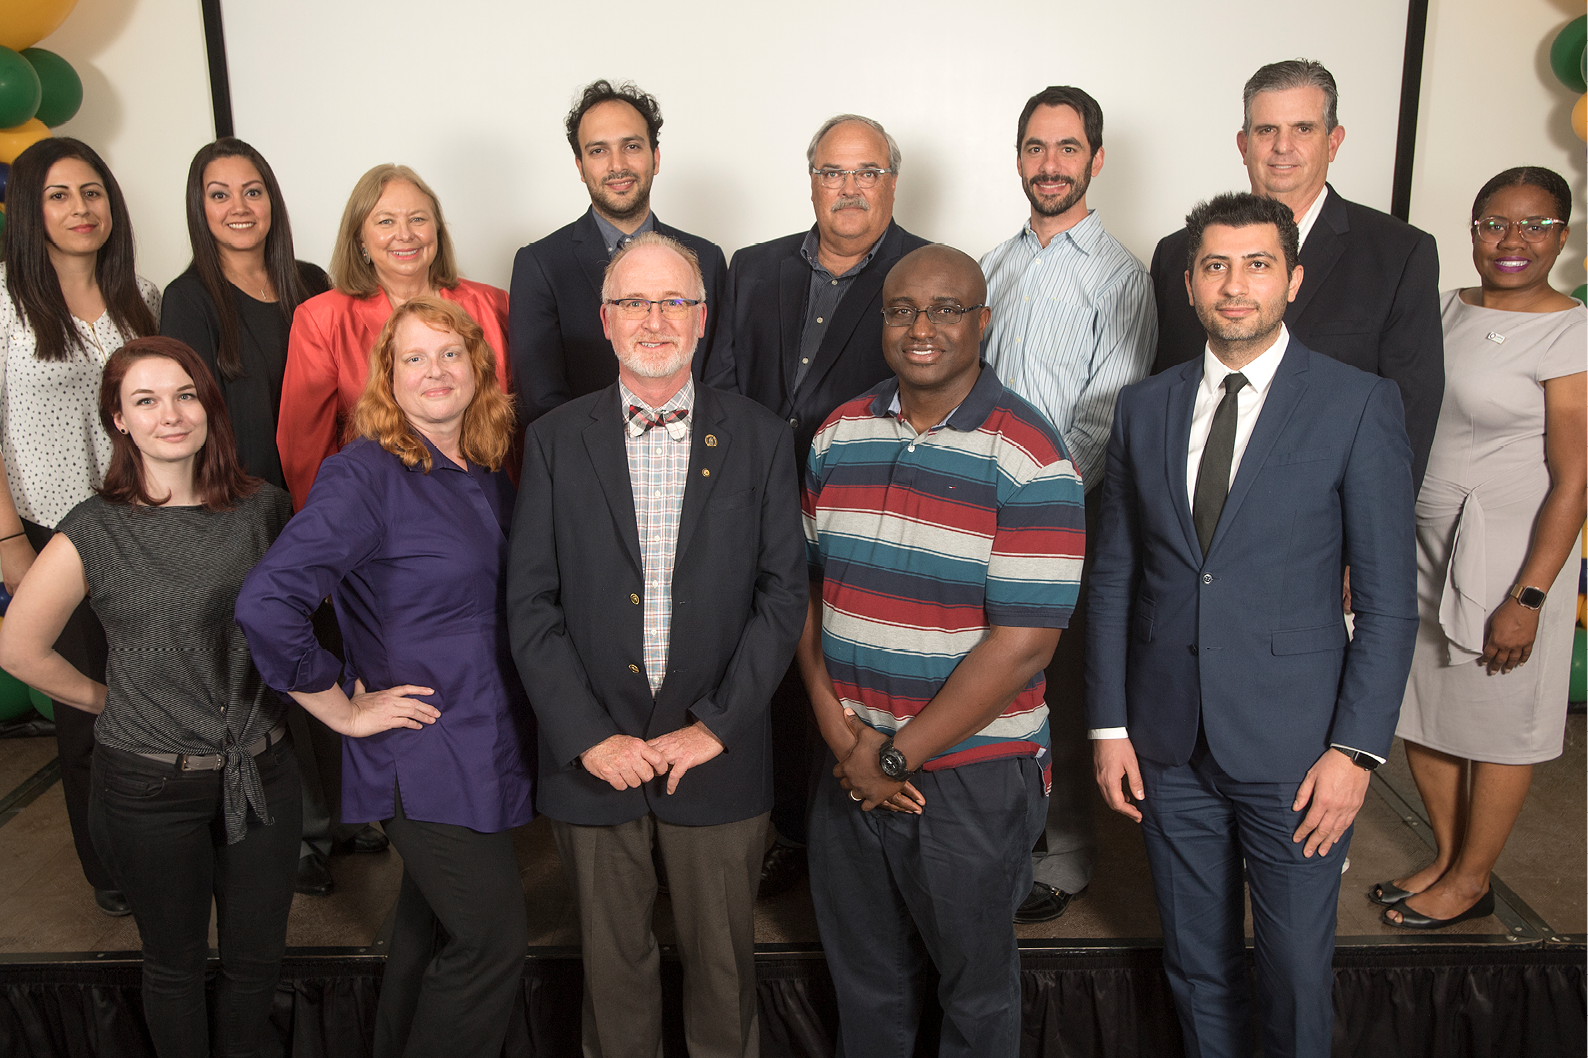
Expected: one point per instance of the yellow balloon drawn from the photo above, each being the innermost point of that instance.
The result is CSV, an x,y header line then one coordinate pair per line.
x,y
23,23
16,140
1579,117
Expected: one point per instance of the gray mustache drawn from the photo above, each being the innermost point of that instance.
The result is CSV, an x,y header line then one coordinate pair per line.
x,y
850,202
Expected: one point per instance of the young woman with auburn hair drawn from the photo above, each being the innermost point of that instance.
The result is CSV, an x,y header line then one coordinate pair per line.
x,y
406,529
195,791
71,300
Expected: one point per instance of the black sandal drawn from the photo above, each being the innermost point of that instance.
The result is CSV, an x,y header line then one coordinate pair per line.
x,y
1416,920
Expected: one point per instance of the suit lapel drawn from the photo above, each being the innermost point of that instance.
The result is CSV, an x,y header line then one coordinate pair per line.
x,y
708,451
1283,396
603,440
794,278
1177,443
590,251
1325,245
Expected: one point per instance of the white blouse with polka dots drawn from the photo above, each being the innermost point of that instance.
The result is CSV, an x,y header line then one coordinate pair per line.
x,y
55,450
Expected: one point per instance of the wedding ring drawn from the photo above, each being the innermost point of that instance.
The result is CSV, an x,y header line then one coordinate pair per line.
x,y
857,800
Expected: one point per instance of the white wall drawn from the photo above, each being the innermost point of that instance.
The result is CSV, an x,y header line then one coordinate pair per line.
x,y
1490,102
146,109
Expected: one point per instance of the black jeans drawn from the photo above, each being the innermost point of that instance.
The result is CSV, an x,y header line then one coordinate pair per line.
x,y
162,834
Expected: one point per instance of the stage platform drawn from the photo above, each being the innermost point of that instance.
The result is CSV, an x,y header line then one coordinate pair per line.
x,y
1092,980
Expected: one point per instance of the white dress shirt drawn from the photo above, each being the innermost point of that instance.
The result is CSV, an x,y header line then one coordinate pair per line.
x,y
1305,222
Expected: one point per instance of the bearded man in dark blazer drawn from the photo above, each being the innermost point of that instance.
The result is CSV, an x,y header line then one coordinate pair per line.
x,y
554,308
1370,296
656,588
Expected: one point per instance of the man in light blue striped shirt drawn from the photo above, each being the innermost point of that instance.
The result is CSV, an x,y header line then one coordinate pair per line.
x,y
1073,323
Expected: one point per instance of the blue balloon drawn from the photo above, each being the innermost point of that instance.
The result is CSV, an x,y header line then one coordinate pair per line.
x,y
5,177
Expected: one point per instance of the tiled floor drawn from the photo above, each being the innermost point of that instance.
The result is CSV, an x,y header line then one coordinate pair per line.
x,y
47,907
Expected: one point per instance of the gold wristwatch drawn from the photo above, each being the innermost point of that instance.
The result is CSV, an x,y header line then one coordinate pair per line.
x,y
1528,596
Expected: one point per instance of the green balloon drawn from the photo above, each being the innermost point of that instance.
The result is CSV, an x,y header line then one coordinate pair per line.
x,y
63,89
1581,293
41,702
20,91
1566,55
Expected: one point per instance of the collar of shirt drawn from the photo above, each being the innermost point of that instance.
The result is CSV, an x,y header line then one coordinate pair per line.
x,y
1083,235
438,460
1305,222
1259,373
613,237
811,247
684,399
968,415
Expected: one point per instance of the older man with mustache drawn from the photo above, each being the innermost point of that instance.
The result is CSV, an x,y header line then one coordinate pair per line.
x,y
804,335
558,350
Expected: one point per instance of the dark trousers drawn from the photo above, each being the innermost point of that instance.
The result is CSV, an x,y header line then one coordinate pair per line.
x,y
887,884
796,748
712,875
320,758
458,943
1199,825
163,834
1067,852
82,642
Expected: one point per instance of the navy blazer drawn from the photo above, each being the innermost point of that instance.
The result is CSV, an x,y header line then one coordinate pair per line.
x,y
575,589
767,288
1369,297
554,313
1251,638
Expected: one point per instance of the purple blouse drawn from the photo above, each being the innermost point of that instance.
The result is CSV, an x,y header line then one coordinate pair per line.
x,y
415,564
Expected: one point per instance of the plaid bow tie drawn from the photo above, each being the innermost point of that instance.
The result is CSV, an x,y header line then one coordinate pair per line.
x,y
641,420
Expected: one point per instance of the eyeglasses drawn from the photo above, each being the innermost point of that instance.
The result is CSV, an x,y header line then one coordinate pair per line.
x,y
1533,229
833,179
639,308
940,315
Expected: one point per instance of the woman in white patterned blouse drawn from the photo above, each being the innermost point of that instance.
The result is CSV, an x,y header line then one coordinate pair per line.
x,y
72,299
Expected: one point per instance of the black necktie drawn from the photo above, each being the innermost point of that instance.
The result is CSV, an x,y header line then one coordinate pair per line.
x,y
1213,473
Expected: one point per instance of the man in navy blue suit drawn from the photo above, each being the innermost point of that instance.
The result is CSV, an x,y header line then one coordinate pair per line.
x,y
1232,711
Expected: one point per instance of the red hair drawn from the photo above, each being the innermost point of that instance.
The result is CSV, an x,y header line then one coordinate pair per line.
x,y
218,477
487,434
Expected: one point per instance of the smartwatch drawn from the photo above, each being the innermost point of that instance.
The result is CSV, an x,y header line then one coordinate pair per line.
x,y
1365,761
1528,596
892,762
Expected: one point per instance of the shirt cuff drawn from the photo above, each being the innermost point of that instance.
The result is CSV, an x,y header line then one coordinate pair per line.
x,y
1107,732
1353,749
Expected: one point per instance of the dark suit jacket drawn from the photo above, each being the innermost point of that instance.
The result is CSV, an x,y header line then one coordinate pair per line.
x,y
554,310
767,288
1252,636
575,590
1369,298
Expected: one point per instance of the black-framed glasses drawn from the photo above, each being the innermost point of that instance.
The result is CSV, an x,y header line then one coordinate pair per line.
x,y
833,179
639,308
940,315
1532,229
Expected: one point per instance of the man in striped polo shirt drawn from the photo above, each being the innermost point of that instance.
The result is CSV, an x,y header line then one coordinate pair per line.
x,y
944,528
1073,324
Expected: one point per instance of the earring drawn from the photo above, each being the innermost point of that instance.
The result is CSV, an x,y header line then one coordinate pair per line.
x,y
364,250
123,429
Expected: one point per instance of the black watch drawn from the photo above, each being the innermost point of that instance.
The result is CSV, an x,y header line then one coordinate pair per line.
x,y
892,763
1365,761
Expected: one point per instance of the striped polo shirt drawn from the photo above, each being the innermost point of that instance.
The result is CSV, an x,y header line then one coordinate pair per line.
x,y
922,542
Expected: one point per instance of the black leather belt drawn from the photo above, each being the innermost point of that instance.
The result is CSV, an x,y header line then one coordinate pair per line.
x,y
217,761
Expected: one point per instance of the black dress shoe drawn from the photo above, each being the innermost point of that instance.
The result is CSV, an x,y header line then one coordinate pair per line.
x,y
112,902
1044,904
1388,893
1415,920
367,839
782,868
314,878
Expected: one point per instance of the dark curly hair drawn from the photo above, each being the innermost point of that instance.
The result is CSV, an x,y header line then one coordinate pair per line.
x,y
603,91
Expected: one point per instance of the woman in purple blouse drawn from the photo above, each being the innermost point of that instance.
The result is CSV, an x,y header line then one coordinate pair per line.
x,y
406,530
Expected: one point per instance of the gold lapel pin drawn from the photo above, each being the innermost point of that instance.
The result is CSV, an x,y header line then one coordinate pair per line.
x,y
705,472
711,440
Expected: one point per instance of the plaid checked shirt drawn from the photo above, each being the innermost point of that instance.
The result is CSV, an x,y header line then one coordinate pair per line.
x,y
658,472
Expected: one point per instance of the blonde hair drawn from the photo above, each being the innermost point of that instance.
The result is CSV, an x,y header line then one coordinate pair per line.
x,y
487,421
352,273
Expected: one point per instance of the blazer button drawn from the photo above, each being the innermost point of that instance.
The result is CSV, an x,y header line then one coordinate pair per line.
x,y
794,423
634,668
1192,648
1207,578
635,599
